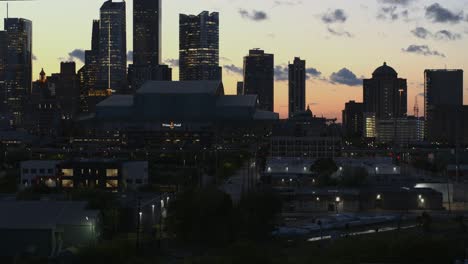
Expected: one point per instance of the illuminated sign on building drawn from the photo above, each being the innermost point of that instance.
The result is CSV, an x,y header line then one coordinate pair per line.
x,y
172,125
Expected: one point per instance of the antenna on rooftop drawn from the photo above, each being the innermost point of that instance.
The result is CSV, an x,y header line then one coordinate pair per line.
x,y
7,7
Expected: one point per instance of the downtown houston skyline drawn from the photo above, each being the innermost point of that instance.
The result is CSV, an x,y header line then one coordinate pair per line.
x,y
342,42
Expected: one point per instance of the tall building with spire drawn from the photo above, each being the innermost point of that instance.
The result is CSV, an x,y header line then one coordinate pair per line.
x,y
199,47
16,42
297,86
113,47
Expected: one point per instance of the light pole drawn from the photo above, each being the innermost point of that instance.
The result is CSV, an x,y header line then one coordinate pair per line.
x,y
337,203
140,214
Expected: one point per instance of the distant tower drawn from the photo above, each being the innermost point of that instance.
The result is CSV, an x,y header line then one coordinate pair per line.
x,y
297,86
259,77
385,94
113,46
42,78
199,47
416,107
17,67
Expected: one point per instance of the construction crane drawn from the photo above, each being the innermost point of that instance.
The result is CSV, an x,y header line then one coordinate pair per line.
x,y
7,1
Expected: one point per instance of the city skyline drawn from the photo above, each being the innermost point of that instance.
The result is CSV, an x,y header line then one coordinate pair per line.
x,y
415,26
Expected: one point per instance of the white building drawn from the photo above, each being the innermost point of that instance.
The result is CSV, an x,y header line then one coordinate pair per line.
x,y
36,171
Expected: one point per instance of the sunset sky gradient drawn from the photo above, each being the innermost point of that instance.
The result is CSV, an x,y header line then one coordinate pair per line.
x,y
343,41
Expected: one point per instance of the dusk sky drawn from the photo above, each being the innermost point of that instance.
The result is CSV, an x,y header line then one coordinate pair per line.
x,y
343,41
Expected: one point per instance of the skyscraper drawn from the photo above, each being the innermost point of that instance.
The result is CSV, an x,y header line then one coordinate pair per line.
x,y
89,73
146,32
199,47
147,45
297,86
113,47
442,87
17,62
353,119
259,77
443,106
385,94
68,90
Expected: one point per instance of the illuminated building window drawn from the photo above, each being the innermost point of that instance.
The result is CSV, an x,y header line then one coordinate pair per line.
x,y
112,172
112,184
67,183
67,172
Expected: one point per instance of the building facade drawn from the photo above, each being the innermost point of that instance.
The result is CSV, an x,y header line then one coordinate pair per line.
x,y
297,86
400,130
259,77
353,119
113,47
108,174
443,98
385,94
17,72
199,47
147,45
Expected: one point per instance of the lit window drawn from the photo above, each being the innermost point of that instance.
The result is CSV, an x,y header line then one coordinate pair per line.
x,y
112,172
67,172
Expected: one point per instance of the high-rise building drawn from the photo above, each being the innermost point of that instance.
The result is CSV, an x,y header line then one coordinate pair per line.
x,y
3,55
446,117
353,119
17,67
113,47
442,87
259,77
297,86
240,88
146,32
68,90
199,47
147,45
89,74
385,94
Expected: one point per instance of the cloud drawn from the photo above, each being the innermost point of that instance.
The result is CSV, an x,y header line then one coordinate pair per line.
x,y
281,73
172,62
439,14
392,13
339,33
424,33
234,69
334,16
130,56
346,77
287,2
253,15
225,59
312,73
397,2
421,32
447,35
422,50
76,54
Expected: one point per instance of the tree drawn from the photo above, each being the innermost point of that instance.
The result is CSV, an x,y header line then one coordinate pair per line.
x,y
324,168
353,177
258,212
202,217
